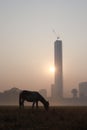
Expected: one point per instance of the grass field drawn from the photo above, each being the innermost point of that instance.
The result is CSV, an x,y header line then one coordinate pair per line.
x,y
57,118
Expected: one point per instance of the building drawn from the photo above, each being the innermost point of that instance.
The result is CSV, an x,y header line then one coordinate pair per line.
x,y
83,90
58,69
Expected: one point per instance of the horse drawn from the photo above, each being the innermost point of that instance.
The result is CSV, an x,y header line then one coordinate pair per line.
x,y
32,96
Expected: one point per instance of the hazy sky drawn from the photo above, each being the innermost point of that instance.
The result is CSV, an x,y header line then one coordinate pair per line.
x,y
26,42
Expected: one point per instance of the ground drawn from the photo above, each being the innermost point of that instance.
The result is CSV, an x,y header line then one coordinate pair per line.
x,y
57,118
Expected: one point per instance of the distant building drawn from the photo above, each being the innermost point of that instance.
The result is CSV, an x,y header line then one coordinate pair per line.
x,y
58,88
83,90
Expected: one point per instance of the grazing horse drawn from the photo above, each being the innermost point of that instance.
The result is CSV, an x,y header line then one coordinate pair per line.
x,y
32,96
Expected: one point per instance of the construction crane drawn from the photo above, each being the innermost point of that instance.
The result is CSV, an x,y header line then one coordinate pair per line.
x,y
55,33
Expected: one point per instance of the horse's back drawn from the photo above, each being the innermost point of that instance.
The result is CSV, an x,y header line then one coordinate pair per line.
x,y
30,95
29,92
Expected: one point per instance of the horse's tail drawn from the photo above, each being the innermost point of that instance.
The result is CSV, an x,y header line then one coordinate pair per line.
x,y
20,99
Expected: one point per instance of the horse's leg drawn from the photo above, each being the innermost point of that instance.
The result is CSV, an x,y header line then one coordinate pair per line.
x,y
33,105
22,103
37,104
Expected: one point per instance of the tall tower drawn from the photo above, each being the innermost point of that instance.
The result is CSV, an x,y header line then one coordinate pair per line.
x,y
58,69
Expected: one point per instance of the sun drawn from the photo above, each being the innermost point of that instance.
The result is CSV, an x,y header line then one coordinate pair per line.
x,y
52,69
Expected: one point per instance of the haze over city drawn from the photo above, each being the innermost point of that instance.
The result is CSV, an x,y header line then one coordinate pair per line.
x,y
27,43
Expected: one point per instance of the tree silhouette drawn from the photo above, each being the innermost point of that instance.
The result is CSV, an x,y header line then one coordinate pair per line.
x,y
74,92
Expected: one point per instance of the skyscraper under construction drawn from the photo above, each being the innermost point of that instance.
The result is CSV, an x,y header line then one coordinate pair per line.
x,y
58,83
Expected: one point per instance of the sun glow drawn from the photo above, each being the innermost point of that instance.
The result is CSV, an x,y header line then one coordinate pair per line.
x,y
52,69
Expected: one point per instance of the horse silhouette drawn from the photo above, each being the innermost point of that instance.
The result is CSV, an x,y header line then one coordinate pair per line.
x,y
32,96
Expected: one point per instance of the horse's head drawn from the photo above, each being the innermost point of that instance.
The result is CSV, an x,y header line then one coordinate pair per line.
x,y
46,105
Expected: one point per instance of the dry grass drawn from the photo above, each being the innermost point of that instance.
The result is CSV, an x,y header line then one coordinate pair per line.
x,y
58,118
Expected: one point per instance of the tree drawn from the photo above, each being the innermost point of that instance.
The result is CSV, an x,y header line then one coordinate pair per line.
x,y
74,92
